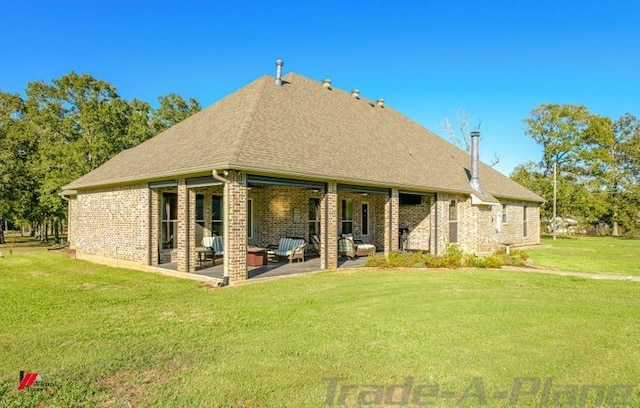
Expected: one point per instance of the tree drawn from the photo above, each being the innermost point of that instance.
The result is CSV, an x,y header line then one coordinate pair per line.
x,y
560,130
13,151
460,133
597,161
173,109
62,130
612,164
80,122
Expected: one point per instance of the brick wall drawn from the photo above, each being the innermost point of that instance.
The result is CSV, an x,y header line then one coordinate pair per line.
x,y
478,231
112,222
391,220
283,212
512,230
418,219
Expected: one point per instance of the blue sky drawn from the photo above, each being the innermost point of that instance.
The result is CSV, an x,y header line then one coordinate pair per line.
x,y
496,59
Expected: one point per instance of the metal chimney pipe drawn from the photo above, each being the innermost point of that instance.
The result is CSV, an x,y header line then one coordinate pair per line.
x,y
475,158
279,64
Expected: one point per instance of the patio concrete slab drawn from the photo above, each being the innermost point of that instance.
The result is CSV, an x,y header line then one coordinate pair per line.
x,y
271,270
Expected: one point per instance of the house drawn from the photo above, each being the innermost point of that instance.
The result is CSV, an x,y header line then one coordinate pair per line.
x,y
291,156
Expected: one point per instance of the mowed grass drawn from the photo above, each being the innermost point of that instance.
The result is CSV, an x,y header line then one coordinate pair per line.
x,y
618,256
120,338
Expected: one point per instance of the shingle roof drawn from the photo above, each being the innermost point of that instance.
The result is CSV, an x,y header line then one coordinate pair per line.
x,y
303,130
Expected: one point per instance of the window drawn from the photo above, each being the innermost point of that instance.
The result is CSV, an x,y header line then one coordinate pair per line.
x,y
199,218
504,213
217,221
169,220
525,228
453,221
314,216
347,216
409,199
365,219
250,218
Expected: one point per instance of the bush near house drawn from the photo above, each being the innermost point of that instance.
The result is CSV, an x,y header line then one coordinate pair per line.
x,y
453,258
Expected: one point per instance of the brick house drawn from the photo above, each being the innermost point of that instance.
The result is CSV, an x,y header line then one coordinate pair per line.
x,y
292,158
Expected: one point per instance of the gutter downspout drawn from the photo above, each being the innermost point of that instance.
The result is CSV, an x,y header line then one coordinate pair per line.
x,y
225,263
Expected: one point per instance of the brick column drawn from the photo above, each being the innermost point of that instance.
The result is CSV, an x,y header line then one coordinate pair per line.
x,y
191,252
435,223
183,226
391,222
329,228
154,227
235,226
442,223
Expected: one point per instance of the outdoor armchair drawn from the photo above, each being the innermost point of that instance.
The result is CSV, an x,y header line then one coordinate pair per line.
x,y
215,245
292,248
347,246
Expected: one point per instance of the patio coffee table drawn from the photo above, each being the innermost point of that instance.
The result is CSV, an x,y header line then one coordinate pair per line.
x,y
256,256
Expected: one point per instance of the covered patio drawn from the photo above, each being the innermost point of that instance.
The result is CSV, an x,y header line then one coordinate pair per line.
x,y
255,211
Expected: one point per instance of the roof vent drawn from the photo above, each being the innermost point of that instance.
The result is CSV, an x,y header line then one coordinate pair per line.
x,y
380,102
279,64
356,93
326,83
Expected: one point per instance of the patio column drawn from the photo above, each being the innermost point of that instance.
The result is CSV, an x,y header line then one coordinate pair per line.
x,y
154,227
183,227
235,226
442,222
391,222
329,228
433,213
191,222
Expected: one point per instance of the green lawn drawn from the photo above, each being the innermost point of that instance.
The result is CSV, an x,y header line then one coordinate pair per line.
x,y
119,338
589,254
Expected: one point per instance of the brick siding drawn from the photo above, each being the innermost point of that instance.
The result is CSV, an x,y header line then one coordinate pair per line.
x,y
112,222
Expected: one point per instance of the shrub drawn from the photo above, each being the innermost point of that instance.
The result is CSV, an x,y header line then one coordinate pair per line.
x,y
377,261
492,261
453,258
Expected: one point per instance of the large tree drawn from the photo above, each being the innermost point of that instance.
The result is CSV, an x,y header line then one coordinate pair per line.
x,y
612,164
173,109
597,163
64,129
13,152
560,130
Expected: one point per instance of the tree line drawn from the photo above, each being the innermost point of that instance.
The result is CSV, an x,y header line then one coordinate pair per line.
x,y
597,165
58,131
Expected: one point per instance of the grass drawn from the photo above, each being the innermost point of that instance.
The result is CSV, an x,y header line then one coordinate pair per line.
x,y
118,338
606,255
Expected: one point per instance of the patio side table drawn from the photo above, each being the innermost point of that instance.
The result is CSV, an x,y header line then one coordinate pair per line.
x,y
256,256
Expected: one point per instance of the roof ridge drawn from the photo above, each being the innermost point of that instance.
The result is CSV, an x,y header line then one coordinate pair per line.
x,y
243,133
